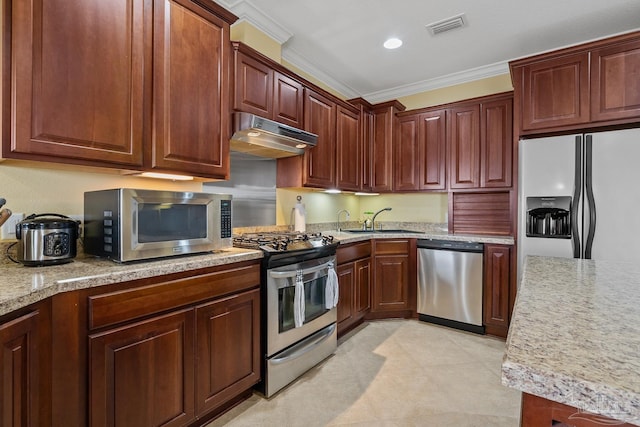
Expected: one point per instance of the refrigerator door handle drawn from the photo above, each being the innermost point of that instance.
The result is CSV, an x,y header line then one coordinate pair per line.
x,y
591,203
577,190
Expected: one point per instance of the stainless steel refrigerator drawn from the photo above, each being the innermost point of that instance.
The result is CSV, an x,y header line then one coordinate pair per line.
x,y
579,196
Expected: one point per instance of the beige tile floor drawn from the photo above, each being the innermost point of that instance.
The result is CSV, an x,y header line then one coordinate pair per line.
x,y
394,373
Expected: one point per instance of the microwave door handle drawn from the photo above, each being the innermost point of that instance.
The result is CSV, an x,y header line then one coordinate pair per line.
x,y
293,273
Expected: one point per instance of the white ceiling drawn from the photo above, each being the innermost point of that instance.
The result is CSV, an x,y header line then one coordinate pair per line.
x,y
340,41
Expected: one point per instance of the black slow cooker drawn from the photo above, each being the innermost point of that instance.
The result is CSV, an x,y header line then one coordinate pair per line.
x,y
47,239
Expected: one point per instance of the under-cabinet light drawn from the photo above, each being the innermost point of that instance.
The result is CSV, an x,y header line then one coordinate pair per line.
x,y
170,176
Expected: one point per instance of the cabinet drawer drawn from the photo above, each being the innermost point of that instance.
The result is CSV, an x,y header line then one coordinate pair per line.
x,y
353,252
392,246
120,306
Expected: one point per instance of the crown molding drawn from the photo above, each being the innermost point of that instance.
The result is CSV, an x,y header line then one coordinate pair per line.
x,y
492,70
301,62
245,10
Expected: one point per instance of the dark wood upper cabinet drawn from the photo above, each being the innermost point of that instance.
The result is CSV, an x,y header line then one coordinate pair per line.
x,y
432,150
319,161
191,90
262,90
464,147
140,85
384,125
556,92
496,142
405,157
615,82
348,150
590,85
78,72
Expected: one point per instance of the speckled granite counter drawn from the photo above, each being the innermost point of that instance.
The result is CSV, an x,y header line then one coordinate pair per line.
x,y
21,286
575,335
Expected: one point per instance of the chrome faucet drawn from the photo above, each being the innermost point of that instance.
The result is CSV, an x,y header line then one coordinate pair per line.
x,y
373,220
338,222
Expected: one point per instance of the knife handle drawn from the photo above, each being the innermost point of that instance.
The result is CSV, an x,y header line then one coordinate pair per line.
x,y
4,216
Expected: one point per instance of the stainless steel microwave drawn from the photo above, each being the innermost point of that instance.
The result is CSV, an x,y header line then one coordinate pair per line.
x,y
126,224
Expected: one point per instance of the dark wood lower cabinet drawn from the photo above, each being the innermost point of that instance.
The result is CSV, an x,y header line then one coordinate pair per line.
x,y
497,279
228,349
540,412
354,280
143,374
394,280
19,372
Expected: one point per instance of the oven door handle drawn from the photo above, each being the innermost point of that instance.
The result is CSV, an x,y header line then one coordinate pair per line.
x,y
304,347
294,273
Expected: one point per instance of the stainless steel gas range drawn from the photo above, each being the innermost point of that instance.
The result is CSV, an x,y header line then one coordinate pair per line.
x,y
299,298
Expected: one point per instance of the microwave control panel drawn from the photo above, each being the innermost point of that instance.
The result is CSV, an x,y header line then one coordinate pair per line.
x,y
225,219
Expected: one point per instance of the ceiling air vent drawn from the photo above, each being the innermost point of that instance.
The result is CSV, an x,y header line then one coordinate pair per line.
x,y
448,24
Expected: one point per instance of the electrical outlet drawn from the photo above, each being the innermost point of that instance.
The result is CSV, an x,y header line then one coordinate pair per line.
x,y
8,230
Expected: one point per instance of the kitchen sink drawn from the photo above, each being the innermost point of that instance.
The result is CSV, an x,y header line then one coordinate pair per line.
x,y
382,231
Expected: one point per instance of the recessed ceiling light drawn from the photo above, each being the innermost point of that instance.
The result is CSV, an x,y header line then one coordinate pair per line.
x,y
393,43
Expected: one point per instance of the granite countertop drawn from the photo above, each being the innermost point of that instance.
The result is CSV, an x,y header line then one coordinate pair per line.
x,y
21,286
575,335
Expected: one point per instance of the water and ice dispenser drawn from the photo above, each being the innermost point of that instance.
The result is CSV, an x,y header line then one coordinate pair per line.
x,y
549,217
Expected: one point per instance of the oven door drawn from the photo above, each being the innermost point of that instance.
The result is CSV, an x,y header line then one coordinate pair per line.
x,y
281,329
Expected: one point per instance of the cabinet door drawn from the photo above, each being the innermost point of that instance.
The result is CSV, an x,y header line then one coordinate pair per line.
x,y
464,147
253,86
288,101
142,375
555,92
363,286
615,82
228,349
432,150
366,119
19,399
391,283
319,161
191,90
497,272
348,150
406,158
77,71
496,142
346,284
382,150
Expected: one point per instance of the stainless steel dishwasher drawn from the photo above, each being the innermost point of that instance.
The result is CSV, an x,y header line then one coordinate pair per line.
x,y
450,283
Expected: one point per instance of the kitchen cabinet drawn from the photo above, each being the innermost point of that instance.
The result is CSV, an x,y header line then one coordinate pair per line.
x,y
385,123
394,278
420,152
589,85
336,162
143,374
264,91
191,99
319,162
228,349
497,279
163,104
24,369
366,141
354,280
349,150
165,350
480,139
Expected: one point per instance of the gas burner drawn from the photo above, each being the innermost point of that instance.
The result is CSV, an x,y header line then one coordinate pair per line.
x,y
281,241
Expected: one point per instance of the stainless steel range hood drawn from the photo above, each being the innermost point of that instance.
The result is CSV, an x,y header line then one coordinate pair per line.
x,y
266,138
